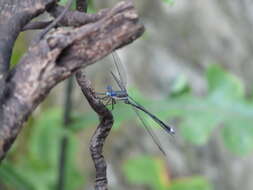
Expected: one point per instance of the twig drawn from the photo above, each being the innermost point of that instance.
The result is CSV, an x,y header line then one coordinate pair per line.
x,y
67,120
65,140
102,131
76,18
70,18
37,25
54,23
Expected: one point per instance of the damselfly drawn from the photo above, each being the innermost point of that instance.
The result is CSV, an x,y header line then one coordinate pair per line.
x,y
111,96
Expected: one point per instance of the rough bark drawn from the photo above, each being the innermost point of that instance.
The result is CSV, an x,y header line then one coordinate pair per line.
x,y
76,18
14,15
70,18
55,58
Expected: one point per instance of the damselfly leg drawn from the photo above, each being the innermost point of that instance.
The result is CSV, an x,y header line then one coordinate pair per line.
x,y
104,98
108,100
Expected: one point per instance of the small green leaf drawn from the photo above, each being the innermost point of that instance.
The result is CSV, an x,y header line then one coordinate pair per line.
x,y
223,84
145,170
180,86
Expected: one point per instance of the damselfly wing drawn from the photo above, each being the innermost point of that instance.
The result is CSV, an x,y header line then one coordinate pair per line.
x,y
122,81
137,107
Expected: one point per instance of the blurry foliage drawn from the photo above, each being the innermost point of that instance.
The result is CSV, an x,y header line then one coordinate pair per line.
x,y
146,170
91,7
225,106
191,183
169,1
38,169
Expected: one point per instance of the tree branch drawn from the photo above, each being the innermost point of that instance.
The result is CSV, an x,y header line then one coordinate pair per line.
x,y
102,131
64,147
76,18
14,15
38,25
54,23
70,18
56,58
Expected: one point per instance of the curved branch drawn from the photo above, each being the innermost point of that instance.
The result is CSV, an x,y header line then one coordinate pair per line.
x,y
57,57
102,131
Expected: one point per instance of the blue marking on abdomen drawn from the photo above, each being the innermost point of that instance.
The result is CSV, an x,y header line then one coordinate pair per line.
x,y
111,93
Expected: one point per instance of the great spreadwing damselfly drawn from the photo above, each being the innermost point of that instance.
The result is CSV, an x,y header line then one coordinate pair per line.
x,y
111,96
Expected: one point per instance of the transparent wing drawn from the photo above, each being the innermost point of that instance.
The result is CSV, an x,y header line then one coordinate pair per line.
x,y
150,132
117,80
122,81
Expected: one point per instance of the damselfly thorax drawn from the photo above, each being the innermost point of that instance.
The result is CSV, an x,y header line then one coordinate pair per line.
x,y
116,94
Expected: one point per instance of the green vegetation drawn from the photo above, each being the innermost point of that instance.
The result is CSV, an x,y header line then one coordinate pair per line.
x,y
224,108
152,172
38,166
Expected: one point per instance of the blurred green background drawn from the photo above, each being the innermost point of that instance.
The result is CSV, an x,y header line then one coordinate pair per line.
x,y
192,68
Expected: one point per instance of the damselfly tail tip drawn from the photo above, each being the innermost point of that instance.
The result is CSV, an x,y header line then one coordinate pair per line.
x,y
172,131
169,129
